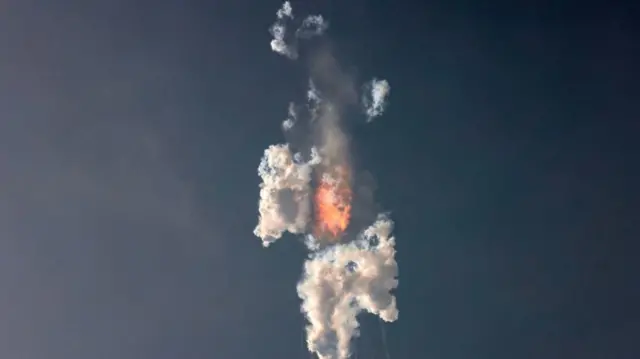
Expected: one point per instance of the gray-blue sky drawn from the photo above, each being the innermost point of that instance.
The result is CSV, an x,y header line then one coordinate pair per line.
x,y
130,133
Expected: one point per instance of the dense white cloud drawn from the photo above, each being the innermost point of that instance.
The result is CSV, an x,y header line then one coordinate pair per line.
x,y
343,281
284,193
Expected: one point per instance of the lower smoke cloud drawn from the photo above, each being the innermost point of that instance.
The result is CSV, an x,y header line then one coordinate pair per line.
x,y
344,280
312,195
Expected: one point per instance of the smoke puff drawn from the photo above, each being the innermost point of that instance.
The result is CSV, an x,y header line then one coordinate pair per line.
x,y
313,25
313,94
278,44
374,99
279,31
292,118
284,193
285,11
344,280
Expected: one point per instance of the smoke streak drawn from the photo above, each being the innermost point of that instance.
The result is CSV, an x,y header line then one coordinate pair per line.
x,y
344,275
383,335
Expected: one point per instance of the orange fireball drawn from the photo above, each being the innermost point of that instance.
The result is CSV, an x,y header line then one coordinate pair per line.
x,y
332,204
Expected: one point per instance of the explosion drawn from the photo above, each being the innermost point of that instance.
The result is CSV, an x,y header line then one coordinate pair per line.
x,y
311,193
332,204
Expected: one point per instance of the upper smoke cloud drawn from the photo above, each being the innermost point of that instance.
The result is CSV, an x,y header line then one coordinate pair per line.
x,y
343,276
313,25
279,31
285,11
375,98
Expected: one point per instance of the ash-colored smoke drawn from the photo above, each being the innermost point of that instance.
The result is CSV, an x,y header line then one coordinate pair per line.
x,y
340,280
333,141
343,281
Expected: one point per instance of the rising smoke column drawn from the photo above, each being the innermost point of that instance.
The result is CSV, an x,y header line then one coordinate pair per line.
x,y
311,194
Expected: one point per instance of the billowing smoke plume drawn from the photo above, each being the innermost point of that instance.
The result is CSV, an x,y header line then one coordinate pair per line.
x,y
311,194
344,280
284,193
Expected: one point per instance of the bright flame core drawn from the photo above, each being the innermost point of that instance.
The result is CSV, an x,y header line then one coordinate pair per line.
x,y
332,204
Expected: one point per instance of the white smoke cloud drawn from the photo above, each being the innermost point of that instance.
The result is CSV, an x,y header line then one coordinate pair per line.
x,y
285,11
345,280
278,43
279,31
313,25
374,99
292,117
284,193
313,95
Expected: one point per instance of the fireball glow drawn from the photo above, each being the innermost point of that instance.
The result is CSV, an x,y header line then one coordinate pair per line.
x,y
333,204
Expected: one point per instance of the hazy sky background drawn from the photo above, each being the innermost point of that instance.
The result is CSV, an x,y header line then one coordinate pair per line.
x,y
130,134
